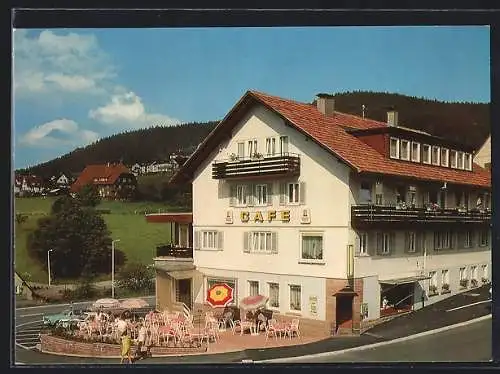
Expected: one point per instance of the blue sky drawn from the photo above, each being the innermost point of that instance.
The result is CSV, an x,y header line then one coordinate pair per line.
x,y
73,86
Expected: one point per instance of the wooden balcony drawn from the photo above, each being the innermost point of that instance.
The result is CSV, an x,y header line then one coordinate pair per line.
x,y
169,250
280,165
377,216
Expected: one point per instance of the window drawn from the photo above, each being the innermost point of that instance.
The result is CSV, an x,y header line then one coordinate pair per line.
x,y
453,159
230,282
410,242
432,282
385,242
295,297
253,288
274,295
473,272
445,278
460,163
378,199
483,238
312,247
468,161
241,195
443,239
444,157
262,242
468,239
363,243
261,194
426,154
252,148
435,155
394,148
405,150
210,240
241,150
484,272
284,145
293,193
462,274
415,152
271,146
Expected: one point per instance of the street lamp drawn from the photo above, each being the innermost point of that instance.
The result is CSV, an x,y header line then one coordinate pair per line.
x,y
48,264
113,267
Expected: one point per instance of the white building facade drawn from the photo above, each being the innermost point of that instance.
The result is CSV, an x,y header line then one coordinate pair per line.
x,y
277,211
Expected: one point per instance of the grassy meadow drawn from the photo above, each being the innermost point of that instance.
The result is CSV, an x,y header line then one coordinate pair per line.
x,y
126,221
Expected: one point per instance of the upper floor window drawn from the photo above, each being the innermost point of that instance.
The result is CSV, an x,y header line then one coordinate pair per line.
x,y
405,150
241,195
252,147
415,152
211,240
442,240
385,242
468,161
293,193
394,148
460,163
410,242
241,150
435,155
284,144
453,159
262,242
271,146
261,197
363,243
312,247
483,238
426,153
444,157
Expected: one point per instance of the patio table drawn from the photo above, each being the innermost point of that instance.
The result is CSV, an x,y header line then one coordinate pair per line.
x,y
249,325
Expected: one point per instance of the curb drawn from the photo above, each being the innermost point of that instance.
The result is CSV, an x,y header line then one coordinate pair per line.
x,y
375,345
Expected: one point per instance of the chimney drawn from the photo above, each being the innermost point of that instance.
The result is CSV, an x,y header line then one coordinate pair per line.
x,y
392,117
325,104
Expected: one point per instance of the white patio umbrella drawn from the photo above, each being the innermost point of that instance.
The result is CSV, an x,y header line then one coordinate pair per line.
x,y
106,303
134,303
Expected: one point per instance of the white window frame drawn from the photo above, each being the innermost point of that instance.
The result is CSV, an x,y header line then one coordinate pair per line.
x,y
468,239
295,193
299,288
271,301
445,277
284,145
396,148
261,242
473,272
444,239
462,273
405,155
460,160
484,271
412,241
483,238
433,279
363,243
241,192
252,147
261,195
386,243
445,160
240,147
209,237
453,159
252,283
426,150
468,161
415,155
436,161
312,260
270,146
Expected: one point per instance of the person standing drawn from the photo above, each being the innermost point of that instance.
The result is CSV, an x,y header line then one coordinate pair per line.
x,y
126,345
141,351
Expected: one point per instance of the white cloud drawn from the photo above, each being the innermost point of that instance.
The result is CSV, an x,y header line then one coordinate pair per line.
x,y
69,132
126,110
50,62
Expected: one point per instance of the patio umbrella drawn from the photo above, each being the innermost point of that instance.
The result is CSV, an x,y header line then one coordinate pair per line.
x,y
253,302
134,303
106,303
219,295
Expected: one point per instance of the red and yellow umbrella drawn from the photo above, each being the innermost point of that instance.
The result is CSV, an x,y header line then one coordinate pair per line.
x,y
219,295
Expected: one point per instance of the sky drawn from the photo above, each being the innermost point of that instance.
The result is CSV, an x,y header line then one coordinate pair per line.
x,y
72,87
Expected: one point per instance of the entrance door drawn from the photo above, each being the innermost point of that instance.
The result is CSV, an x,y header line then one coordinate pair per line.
x,y
183,292
344,311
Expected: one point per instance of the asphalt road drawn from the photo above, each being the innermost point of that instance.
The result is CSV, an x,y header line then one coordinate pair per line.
x,y
471,343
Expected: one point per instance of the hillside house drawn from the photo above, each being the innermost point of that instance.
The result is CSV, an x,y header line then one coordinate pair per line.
x,y
113,181
28,185
327,214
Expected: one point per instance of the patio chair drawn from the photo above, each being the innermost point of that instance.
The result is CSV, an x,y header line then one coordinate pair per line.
x,y
293,328
272,329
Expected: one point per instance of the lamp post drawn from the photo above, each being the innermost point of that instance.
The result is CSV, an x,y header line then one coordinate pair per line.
x,y
113,267
48,265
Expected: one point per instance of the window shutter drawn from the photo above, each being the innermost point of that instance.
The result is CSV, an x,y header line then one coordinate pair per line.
x,y
232,195
282,191
392,242
197,239
220,238
380,242
274,242
250,195
302,192
270,194
246,242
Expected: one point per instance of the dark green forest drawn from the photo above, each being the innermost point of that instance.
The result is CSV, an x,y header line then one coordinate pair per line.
x,y
468,123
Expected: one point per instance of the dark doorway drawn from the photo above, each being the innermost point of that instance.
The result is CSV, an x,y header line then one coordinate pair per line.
x,y
344,311
183,292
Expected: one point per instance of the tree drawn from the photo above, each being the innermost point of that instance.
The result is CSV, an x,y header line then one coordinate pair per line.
x,y
79,238
89,196
63,203
136,277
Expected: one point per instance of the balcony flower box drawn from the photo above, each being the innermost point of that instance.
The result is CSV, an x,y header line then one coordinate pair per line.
x,y
484,280
445,288
432,290
473,283
233,157
464,283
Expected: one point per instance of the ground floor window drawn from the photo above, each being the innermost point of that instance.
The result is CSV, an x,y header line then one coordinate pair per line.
x,y
274,295
432,283
484,272
483,238
253,288
445,280
295,297
473,276
463,277
230,282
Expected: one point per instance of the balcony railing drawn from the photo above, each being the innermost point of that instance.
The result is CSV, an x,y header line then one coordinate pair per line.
x,y
283,165
377,215
169,250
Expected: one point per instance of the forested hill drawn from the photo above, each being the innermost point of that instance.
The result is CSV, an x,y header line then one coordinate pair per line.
x,y
468,123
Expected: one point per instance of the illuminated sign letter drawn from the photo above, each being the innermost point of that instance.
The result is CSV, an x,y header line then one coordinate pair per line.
x,y
258,217
244,216
271,215
285,215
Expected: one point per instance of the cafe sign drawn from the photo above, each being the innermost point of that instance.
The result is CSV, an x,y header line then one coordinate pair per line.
x,y
269,216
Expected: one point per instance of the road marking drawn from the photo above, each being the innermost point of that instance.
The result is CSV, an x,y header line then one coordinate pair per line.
x,y
31,315
468,305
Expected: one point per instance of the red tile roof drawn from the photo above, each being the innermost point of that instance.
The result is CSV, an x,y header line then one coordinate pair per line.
x,y
109,174
329,132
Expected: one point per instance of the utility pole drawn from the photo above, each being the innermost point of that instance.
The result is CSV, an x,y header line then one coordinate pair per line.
x,y
113,267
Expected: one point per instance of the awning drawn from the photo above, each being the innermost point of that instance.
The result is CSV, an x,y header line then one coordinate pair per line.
x,y
346,291
184,274
169,217
173,266
404,280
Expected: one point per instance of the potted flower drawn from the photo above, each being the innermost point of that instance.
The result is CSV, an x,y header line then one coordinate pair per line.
x,y
464,283
432,289
484,280
233,157
445,287
473,282
257,155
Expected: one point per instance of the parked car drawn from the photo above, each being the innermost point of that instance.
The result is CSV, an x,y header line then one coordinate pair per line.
x,y
65,316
